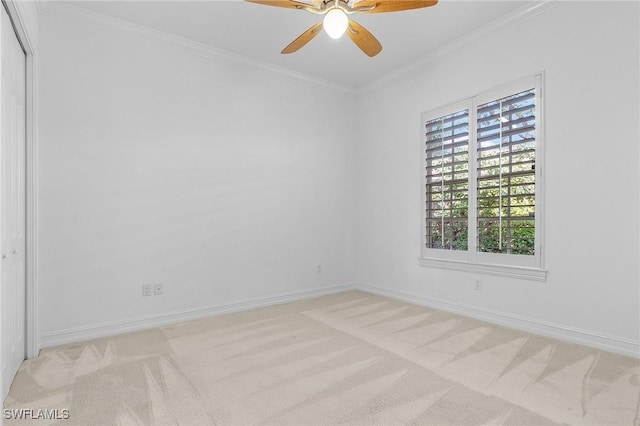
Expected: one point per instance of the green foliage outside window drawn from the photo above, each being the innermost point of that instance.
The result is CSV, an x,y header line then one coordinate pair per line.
x,y
505,178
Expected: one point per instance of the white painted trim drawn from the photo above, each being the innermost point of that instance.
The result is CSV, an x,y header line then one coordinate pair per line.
x,y
584,337
31,323
476,36
511,271
4,389
604,342
150,321
471,260
68,11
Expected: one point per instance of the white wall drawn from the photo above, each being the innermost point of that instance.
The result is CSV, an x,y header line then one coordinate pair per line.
x,y
589,52
160,166
222,182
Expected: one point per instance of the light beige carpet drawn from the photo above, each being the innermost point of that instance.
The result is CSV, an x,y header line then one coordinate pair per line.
x,y
349,358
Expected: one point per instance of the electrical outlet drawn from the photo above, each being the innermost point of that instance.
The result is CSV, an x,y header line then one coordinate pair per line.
x,y
478,284
147,290
158,289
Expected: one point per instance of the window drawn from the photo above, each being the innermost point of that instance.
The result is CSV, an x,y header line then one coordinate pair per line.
x,y
447,187
481,184
506,181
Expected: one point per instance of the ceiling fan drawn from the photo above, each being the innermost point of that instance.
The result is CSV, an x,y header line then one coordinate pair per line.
x,y
336,21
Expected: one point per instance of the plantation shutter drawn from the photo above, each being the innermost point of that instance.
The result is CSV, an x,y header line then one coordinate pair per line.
x,y
506,187
447,187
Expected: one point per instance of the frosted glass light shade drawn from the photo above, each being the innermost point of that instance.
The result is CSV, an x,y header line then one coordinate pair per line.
x,y
335,23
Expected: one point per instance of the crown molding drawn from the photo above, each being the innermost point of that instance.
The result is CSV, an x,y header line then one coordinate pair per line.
x,y
522,14
69,11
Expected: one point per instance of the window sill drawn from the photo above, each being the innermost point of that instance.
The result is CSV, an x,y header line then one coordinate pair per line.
x,y
511,271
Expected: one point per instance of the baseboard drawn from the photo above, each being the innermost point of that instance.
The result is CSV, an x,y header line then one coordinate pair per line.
x,y
583,337
94,331
599,341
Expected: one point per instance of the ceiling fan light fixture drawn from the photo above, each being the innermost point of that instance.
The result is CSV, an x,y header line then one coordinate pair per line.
x,y
335,23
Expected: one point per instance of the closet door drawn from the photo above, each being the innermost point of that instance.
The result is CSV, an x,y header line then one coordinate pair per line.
x,y
12,207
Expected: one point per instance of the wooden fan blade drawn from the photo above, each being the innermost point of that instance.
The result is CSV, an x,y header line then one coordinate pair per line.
x,y
394,5
291,4
363,38
303,39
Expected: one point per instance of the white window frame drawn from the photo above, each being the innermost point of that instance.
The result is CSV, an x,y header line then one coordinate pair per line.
x,y
510,265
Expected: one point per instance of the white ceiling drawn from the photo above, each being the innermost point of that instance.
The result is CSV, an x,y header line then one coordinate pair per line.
x,y
260,32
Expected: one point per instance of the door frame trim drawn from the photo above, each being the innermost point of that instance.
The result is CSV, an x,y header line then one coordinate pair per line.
x,y
32,338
